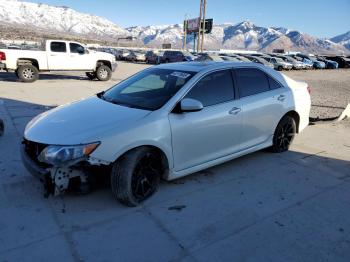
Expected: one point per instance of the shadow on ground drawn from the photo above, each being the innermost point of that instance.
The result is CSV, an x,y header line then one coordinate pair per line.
x,y
283,206
11,77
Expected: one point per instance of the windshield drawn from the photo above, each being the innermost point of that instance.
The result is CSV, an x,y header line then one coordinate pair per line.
x,y
150,89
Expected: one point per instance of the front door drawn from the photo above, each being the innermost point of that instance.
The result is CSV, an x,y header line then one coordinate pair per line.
x,y
213,132
79,58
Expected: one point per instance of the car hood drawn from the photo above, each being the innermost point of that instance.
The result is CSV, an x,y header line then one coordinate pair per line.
x,y
80,121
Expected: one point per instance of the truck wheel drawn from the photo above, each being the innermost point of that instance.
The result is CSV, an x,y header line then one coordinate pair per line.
x,y
91,75
27,73
103,73
136,176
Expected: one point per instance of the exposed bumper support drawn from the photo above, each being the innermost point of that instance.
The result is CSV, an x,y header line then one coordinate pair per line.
x,y
55,179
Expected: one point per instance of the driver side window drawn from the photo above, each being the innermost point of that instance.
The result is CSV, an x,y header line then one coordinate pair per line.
x,y
214,88
75,48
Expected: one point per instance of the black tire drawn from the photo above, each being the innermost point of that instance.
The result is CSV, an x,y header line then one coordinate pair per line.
x,y
91,75
103,73
2,127
27,73
136,176
167,61
279,68
284,134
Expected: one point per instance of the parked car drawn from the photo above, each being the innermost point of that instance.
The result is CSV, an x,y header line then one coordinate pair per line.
x,y
316,64
259,60
343,62
236,56
166,121
57,56
153,57
330,64
209,57
295,63
229,58
136,56
171,56
308,64
278,63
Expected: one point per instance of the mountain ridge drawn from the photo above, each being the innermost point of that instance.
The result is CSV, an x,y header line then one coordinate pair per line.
x,y
21,20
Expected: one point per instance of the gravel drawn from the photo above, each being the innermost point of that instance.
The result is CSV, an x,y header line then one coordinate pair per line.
x,y
330,90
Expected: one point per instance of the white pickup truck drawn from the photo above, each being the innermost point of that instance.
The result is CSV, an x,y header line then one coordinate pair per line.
x,y
58,56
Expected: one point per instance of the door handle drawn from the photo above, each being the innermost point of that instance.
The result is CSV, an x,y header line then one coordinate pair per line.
x,y
53,55
234,111
281,98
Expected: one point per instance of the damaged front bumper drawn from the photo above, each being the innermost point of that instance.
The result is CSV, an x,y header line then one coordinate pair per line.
x,y
55,179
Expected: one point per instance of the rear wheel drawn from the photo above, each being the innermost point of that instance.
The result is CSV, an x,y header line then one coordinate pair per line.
x,y
136,176
103,73
284,134
27,73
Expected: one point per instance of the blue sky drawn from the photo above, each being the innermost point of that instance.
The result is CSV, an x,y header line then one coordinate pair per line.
x,y
322,18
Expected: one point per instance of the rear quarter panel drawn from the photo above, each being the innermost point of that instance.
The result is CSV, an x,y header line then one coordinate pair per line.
x,y
12,57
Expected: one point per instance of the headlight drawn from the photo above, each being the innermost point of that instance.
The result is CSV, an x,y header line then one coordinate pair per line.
x,y
58,155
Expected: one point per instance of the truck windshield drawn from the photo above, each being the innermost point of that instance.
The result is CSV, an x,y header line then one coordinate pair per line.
x,y
150,89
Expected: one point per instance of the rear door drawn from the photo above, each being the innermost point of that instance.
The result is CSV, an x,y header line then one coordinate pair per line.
x,y
213,132
57,55
264,102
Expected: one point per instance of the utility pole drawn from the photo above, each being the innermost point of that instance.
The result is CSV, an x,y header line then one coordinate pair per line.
x,y
199,27
203,22
185,33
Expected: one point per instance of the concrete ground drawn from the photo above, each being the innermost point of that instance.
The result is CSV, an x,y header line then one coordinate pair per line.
x,y
293,206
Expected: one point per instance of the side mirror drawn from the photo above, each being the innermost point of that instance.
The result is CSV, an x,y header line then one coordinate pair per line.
x,y
81,50
190,105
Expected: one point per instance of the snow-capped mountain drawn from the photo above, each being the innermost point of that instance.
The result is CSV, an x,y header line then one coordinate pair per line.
x,y
58,19
244,35
31,21
343,39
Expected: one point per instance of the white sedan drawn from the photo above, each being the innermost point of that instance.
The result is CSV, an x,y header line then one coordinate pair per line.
x,y
167,121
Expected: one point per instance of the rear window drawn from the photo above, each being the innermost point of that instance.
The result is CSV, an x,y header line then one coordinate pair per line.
x,y
251,81
58,47
273,83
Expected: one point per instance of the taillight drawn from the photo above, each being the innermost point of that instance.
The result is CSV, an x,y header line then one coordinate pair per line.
x,y
2,56
309,90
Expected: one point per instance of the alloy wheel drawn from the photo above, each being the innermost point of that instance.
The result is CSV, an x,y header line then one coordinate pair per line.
x,y
145,177
285,135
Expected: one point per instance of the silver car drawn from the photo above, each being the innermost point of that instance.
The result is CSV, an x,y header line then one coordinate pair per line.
x,y
167,121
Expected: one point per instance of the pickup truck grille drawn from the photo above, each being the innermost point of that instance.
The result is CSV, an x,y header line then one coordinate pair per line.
x,y
33,150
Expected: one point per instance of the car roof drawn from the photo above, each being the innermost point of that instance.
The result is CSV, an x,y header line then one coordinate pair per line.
x,y
206,65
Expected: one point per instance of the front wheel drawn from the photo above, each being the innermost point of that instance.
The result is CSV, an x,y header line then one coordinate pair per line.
x,y
27,73
103,73
136,176
284,134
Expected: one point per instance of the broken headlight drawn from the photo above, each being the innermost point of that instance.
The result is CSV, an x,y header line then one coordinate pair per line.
x,y
58,155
